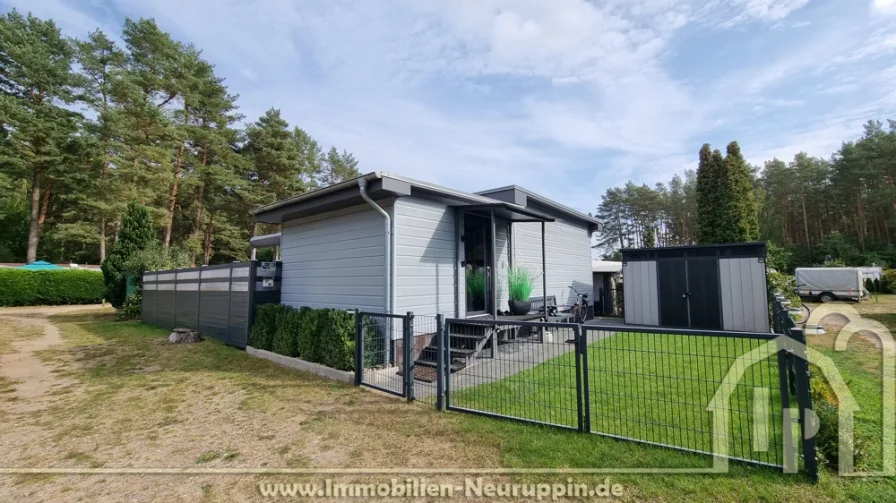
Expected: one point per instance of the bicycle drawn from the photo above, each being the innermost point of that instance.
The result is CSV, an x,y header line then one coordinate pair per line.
x,y
580,308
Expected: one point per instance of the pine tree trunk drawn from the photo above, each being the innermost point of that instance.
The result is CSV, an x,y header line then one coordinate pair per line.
x,y
34,227
102,239
860,215
207,247
45,204
806,224
172,200
103,217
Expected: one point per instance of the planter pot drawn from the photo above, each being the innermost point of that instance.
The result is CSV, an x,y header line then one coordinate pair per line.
x,y
519,307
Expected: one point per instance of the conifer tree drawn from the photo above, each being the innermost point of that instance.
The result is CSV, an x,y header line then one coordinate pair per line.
x,y
136,234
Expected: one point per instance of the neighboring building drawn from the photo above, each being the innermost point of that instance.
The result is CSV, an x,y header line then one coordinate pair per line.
x,y
605,275
386,243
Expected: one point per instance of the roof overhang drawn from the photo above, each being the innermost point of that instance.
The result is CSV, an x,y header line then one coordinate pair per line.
x,y
334,197
527,198
265,240
506,211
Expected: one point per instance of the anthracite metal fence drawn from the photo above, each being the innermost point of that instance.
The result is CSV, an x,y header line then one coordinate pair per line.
x,y
217,300
665,387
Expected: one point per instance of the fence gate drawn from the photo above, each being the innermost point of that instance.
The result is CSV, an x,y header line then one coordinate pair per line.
x,y
673,388
398,354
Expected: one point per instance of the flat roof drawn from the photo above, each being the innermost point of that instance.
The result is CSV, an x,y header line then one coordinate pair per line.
x,y
384,185
725,250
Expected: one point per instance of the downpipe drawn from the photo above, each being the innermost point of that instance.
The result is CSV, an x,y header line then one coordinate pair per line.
x,y
387,225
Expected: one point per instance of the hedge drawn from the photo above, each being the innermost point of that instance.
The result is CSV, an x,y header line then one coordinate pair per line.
x,y
49,287
325,336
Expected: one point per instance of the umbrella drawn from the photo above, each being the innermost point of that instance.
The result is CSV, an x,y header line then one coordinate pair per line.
x,y
40,265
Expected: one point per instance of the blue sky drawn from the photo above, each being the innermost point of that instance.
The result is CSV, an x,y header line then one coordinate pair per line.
x,y
564,97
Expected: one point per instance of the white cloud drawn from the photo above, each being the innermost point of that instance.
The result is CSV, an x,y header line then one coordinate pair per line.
x,y
886,6
770,10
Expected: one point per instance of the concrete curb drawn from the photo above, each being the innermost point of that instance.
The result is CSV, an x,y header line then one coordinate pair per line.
x,y
298,364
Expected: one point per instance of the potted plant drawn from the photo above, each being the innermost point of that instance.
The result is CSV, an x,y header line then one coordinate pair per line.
x,y
519,286
476,285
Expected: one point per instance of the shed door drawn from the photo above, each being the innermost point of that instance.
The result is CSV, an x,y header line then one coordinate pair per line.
x,y
673,287
704,296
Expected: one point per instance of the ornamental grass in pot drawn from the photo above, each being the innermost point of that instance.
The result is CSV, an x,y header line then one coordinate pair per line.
x,y
519,287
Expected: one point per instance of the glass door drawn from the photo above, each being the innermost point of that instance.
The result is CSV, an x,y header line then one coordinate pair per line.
x,y
477,271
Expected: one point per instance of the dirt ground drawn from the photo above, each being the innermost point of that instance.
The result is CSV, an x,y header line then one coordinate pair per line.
x,y
81,392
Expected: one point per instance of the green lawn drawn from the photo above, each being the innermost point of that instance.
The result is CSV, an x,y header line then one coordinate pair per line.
x,y
650,387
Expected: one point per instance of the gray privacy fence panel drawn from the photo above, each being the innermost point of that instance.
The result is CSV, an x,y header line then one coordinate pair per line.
x,y
219,301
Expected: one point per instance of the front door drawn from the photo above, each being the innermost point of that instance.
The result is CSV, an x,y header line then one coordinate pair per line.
x,y
672,276
477,260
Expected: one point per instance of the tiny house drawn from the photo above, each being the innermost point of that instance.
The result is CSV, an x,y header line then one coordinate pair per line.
x,y
388,243
710,287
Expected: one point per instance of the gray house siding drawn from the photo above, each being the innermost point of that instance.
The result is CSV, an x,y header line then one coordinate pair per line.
x,y
425,254
335,260
568,257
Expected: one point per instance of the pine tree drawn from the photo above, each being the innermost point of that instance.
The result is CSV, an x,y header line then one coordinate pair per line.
x,y
649,239
740,223
135,235
339,167
101,63
708,203
277,168
35,85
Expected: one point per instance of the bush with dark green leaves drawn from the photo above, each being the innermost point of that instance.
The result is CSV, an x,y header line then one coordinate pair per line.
x,y
131,308
888,281
325,336
267,318
20,287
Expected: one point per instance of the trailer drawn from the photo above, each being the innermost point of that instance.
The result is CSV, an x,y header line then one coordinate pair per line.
x,y
829,283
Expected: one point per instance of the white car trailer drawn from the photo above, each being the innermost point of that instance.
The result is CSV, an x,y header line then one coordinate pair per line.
x,y
830,283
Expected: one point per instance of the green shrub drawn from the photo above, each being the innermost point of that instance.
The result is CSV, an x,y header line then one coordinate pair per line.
x,y
131,308
825,406
267,318
336,339
307,332
325,336
136,234
50,287
888,281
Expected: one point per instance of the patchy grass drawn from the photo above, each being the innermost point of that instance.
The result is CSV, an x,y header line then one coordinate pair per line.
x,y
140,402
14,332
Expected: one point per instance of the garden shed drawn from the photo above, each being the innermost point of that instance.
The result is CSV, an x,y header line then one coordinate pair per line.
x,y
710,287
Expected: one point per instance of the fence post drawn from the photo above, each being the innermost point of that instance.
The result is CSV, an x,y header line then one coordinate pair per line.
x,y
176,281
585,390
804,399
446,361
440,362
408,351
359,348
783,345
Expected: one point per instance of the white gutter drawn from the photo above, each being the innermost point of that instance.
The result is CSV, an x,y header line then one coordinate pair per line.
x,y
387,225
